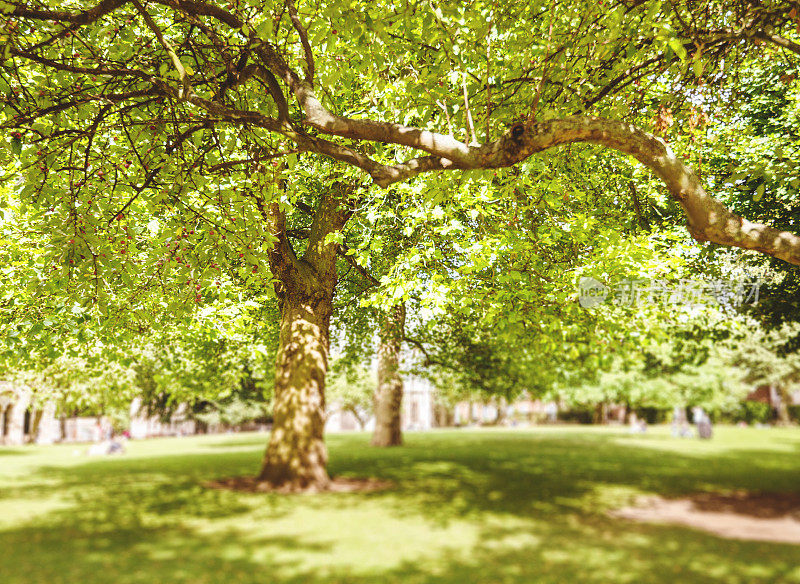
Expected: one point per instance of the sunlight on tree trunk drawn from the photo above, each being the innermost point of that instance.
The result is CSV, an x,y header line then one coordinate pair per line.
x,y
296,456
389,393
784,418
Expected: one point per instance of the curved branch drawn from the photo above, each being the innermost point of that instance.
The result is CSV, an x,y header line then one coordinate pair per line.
x,y
59,107
319,117
777,40
301,31
76,69
708,219
85,17
198,8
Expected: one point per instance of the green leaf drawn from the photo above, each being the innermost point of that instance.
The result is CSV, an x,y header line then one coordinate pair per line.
x,y
677,46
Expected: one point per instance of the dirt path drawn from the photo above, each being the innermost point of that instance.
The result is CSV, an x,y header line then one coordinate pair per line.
x,y
752,516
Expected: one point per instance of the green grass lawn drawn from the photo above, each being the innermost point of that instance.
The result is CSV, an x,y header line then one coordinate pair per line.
x,y
469,506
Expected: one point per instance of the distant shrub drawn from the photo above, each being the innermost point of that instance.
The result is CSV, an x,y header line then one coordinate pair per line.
x,y
754,412
653,415
577,415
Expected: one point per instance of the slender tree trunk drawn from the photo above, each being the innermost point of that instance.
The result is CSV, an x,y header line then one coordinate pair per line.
x,y
36,419
389,393
501,405
784,419
600,413
15,434
359,417
296,456
442,415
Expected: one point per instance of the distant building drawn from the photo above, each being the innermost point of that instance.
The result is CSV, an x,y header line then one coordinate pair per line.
x,y
22,420
418,394
523,410
765,394
144,426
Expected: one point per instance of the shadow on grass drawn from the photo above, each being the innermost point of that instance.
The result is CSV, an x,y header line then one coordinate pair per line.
x,y
552,552
534,474
442,475
536,502
13,451
93,553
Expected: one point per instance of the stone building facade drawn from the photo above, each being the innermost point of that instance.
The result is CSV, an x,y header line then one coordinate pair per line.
x,y
145,426
24,420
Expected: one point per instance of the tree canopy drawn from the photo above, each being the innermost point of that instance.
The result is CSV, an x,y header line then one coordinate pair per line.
x,y
168,155
105,103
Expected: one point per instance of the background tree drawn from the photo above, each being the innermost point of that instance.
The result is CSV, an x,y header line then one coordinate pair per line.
x,y
352,388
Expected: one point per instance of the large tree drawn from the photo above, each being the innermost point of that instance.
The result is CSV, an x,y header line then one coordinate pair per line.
x,y
178,109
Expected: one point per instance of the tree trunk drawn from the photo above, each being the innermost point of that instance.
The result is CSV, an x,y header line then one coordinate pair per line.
x,y
296,456
600,413
15,434
784,419
500,416
35,421
359,417
389,393
442,415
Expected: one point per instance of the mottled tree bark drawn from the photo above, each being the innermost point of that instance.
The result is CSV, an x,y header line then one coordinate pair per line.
x,y
600,413
296,457
389,392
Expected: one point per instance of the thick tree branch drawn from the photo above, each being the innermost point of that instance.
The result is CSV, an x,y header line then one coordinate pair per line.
x,y
197,8
282,259
777,40
708,219
319,117
85,17
276,93
330,216
746,32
